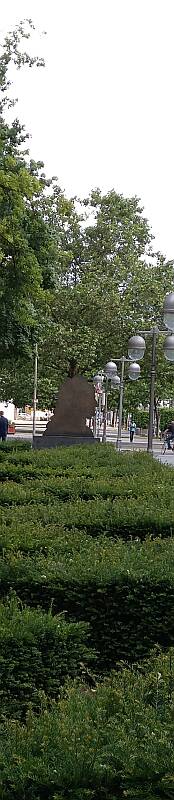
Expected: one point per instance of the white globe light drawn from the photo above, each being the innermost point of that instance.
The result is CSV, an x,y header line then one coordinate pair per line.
x,y
136,348
110,370
169,311
115,383
98,380
169,348
134,371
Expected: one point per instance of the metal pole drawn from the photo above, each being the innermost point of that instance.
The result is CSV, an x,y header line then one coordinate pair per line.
x,y
35,389
152,392
118,444
99,414
98,417
105,413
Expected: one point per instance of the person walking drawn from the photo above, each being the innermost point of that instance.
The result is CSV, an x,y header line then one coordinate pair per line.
x,y
3,427
169,434
132,430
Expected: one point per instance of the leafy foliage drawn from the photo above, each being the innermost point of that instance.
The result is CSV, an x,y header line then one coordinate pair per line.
x,y
77,529
106,743
38,653
166,416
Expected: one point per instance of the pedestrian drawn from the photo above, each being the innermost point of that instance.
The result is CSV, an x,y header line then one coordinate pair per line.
x,y
132,430
169,434
3,427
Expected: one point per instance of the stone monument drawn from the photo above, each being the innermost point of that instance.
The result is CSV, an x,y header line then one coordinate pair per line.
x,y
75,403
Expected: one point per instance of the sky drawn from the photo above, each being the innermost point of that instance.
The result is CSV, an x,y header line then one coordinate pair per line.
x,y
101,112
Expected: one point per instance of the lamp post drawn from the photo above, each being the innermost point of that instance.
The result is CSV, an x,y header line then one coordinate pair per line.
x,y
98,383
134,373
35,389
108,377
136,349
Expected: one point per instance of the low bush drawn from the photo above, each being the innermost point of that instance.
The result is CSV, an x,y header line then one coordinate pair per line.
x,y
97,459
126,517
79,546
115,741
38,653
141,418
166,415
14,445
125,592
131,495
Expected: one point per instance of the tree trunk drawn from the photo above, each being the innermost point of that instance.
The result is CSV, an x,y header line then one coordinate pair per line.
x,y
72,368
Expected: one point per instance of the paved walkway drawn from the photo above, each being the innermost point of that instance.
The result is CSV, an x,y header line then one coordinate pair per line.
x,y
167,458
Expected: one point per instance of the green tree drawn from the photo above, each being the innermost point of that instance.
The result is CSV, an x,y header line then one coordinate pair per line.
x,y
118,287
78,277
24,237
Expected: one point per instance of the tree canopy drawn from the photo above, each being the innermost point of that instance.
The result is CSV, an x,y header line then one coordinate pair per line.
x,y
78,276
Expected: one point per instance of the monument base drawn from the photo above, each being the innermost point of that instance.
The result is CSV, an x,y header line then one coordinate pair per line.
x,y
64,440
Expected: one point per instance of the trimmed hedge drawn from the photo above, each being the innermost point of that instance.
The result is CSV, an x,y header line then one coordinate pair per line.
x,y
102,492
126,593
37,654
64,549
141,418
77,530
166,416
15,445
128,517
113,742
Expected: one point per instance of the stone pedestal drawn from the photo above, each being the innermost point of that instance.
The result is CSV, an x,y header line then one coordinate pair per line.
x,y
65,440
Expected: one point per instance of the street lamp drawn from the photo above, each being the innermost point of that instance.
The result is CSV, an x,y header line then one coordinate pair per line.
x,y
98,379
169,311
110,370
136,348
169,348
101,381
134,373
110,376
98,383
115,382
35,389
137,345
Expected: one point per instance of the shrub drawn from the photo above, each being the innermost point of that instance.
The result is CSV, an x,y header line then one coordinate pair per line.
x,y
125,592
166,415
38,652
141,418
18,445
77,528
128,517
116,741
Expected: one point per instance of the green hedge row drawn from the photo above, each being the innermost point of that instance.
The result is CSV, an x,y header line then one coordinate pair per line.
x,y
14,445
98,457
141,418
126,517
37,654
125,593
76,557
166,416
115,741
42,491
103,492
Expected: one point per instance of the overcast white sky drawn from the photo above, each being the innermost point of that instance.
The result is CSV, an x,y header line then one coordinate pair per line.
x,y
101,113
